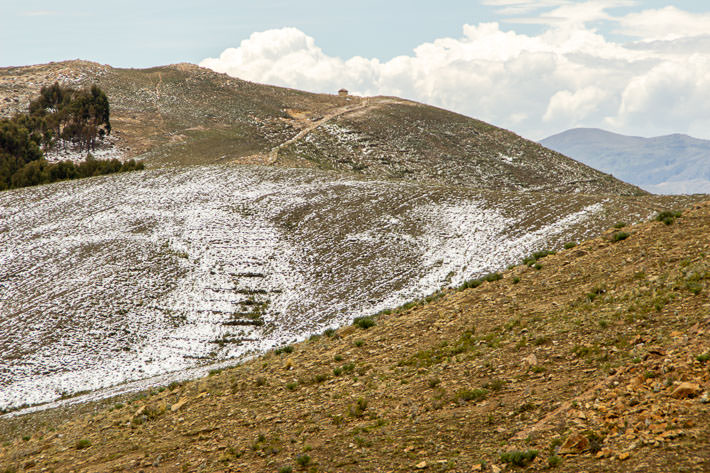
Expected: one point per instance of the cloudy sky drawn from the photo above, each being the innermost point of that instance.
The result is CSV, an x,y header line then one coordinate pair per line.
x,y
537,67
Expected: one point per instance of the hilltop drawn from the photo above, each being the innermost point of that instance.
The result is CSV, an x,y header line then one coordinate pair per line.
x,y
184,114
596,359
671,164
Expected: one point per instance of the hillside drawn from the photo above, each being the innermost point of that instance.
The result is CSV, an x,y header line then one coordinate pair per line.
x,y
599,360
673,164
127,277
183,114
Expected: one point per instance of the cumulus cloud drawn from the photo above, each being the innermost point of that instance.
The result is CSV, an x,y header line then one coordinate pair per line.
x,y
567,75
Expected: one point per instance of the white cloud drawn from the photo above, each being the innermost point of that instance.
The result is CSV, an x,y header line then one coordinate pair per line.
x,y
667,23
568,75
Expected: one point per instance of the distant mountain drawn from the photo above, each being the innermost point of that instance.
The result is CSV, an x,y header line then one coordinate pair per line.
x,y
672,164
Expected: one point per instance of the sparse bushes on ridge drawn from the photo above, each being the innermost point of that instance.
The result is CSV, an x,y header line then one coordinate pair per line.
x,y
473,283
570,244
538,255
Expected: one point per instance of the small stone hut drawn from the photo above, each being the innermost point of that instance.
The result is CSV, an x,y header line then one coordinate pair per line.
x,y
343,92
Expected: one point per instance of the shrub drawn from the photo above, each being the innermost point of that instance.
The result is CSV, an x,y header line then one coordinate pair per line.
x,y
554,461
570,244
495,384
286,349
329,332
320,377
694,287
337,371
537,266
668,217
492,277
477,394
619,236
433,382
303,460
82,444
338,357
619,225
364,322
516,280
518,457
704,357
358,409
285,469
260,381
291,385
359,343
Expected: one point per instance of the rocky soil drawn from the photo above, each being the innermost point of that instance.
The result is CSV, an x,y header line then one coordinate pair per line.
x,y
593,359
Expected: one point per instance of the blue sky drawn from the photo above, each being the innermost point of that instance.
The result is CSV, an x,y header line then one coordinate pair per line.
x,y
154,32
536,67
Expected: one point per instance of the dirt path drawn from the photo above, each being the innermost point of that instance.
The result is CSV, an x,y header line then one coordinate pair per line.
x,y
157,102
274,153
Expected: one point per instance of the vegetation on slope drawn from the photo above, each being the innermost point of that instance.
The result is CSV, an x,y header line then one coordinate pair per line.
x,y
59,115
596,361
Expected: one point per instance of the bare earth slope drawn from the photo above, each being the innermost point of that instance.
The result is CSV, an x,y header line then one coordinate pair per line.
x,y
599,361
183,114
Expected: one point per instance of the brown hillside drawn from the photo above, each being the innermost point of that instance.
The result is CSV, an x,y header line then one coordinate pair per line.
x,y
597,359
184,114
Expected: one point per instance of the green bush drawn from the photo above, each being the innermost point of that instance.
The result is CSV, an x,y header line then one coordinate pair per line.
x,y
286,469
477,394
619,225
303,460
518,457
364,322
619,236
668,217
516,280
554,461
358,409
570,244
704,357
286,349
82,444
329,332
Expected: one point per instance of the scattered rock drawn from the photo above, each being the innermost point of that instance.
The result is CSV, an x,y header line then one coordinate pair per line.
x,y
530,360
686,390
575,443
495,468
421,465
623,456
178,404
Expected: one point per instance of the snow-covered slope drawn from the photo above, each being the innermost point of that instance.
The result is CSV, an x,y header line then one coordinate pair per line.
x,y
124,277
